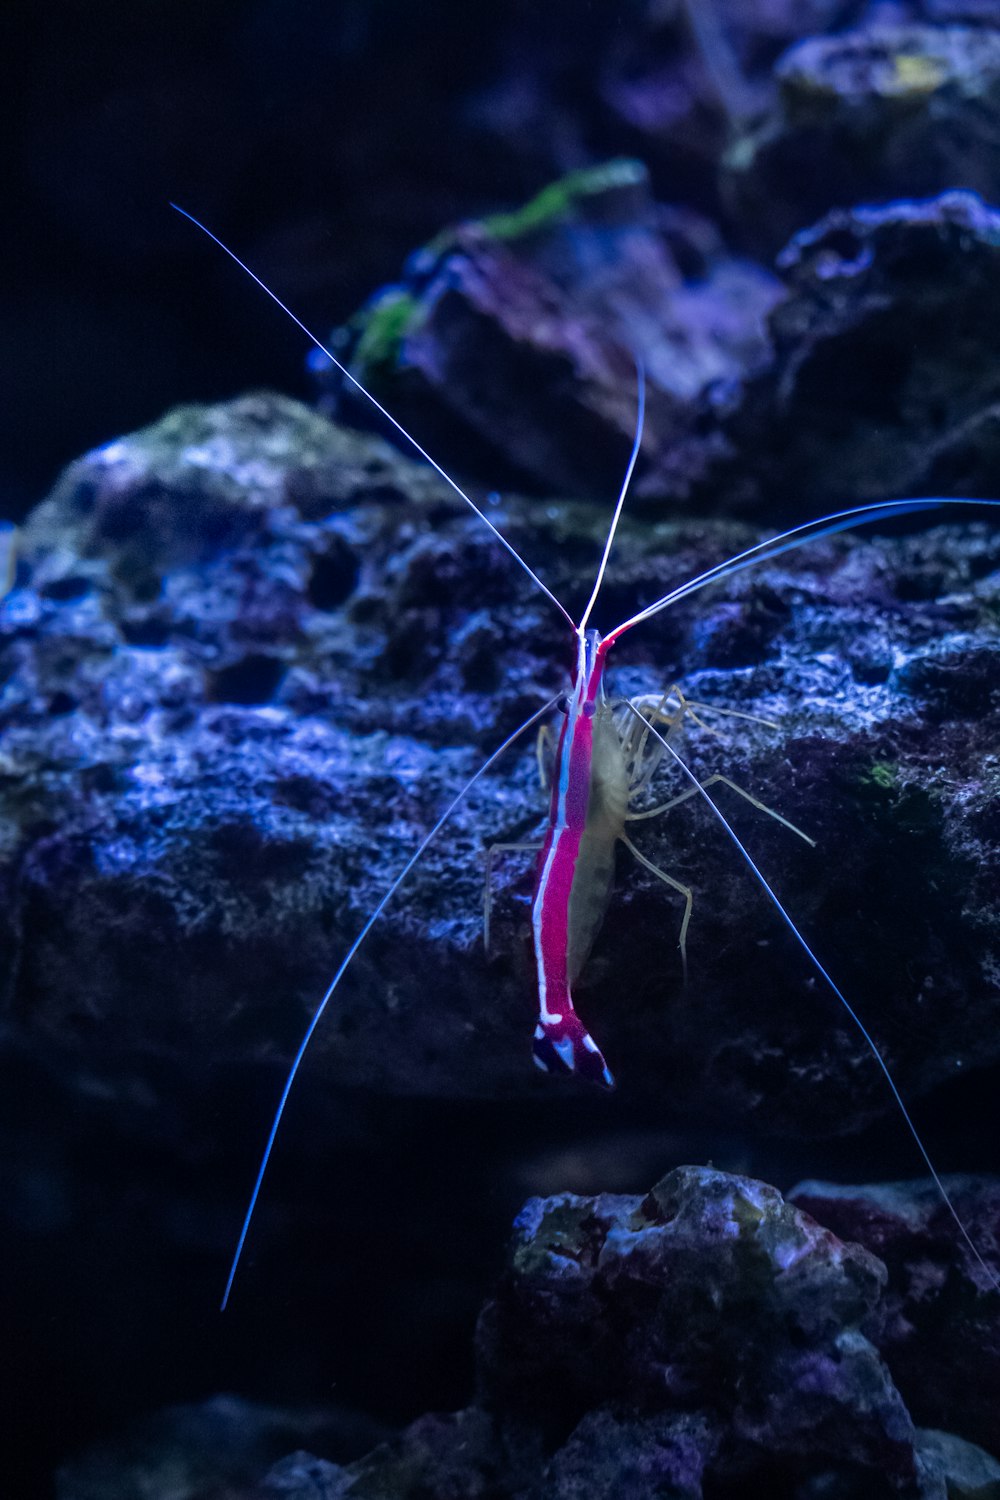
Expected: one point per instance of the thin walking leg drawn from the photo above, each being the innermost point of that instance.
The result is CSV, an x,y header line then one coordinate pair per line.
x,y
543,749
654,812
676,885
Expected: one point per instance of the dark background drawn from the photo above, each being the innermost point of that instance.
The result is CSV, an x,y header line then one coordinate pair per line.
x,y
323,140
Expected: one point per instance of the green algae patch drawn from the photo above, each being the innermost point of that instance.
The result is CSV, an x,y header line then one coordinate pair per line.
x,y
914,73
881,774
385,324
556,203
747,1215
560,199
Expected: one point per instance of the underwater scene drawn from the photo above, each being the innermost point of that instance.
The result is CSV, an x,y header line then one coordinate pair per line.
x,y
499,770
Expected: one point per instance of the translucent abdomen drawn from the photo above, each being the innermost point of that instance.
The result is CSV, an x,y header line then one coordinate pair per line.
x,y
594,874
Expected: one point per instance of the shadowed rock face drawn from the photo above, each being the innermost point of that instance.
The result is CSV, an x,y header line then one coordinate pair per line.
x,y
704,1338
933,1326
252,657
561,299
883,378
870,114
865,370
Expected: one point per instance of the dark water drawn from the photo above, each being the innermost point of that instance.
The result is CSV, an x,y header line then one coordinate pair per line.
x,y
326,145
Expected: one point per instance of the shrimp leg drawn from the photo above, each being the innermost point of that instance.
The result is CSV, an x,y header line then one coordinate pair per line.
x,y
683,890
716,780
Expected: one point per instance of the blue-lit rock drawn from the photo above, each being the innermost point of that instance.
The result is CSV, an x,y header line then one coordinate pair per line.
x,y
253,657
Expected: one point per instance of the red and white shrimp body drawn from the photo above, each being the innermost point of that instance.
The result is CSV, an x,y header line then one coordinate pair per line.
x,y
590,793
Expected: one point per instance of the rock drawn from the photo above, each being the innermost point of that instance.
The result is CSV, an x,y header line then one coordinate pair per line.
x,y
300,1475
705,1337
253,657
610,1453
560,299
954,1468
937,1331
8,557
868,373
461,1456
870,114
711,1294
684,78
884,377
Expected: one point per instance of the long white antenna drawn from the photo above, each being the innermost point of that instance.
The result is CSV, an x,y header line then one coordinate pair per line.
x,y
380,409
352,950
640,373
787,541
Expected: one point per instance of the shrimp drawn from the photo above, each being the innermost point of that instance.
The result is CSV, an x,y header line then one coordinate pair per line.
x,y
598,765
601,764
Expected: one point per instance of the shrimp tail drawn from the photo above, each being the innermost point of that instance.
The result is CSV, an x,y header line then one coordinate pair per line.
x,y
564,1045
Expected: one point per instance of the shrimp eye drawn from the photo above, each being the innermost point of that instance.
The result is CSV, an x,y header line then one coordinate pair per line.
x,y
562,703
589,710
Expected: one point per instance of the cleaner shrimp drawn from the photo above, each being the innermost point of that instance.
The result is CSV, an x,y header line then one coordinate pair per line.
x,y
601,761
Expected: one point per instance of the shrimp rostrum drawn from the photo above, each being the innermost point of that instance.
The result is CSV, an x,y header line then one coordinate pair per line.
x,y
602,764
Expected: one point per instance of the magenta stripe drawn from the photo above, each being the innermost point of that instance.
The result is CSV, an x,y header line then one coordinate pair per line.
x,y
557,863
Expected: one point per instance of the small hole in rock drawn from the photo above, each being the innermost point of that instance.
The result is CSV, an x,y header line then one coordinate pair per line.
x,y
146,630
333,578
62,590
252,679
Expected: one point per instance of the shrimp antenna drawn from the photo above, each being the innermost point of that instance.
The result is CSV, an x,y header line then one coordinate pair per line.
x,y
380,409
640,376
788,541
828,979
352,950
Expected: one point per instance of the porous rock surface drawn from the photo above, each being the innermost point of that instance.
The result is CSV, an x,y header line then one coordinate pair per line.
x,y
251,658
